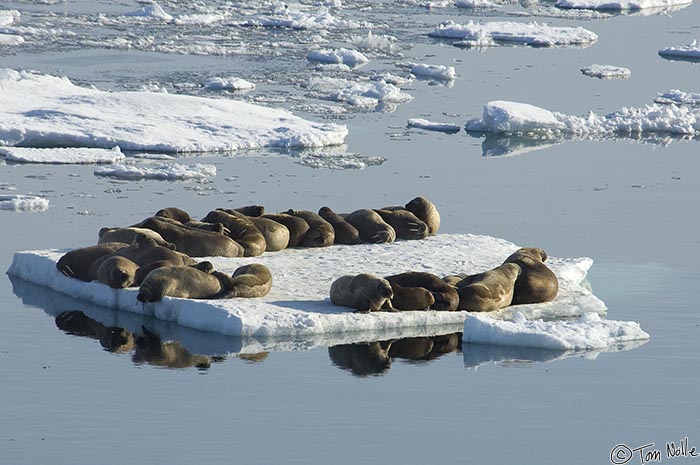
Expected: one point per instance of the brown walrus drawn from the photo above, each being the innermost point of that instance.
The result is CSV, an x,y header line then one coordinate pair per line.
x,y
406,224
411,298
488,291
241,230
174,213
251,210
129,235
320,233
446,297
276,234
426,211
345,233
371,226
117,272
297,227
76,263
536,283
254,280
149,256
364,292
189,282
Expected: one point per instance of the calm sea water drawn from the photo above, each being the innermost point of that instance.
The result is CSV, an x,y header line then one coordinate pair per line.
x,y
629,206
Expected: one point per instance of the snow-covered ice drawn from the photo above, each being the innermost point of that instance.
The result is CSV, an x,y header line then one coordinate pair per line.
x,y
8,17
23,203
11,39
619,5
421,123
475,4
359,94
295,16
339,161
589,331
436,72
200,18
228,83
298,303
161,171
678,97
44,111
62,155
606,72
340,55
532,33
689,51
375,42
150,11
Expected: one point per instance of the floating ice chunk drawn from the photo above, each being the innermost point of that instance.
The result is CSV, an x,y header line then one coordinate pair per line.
x,y
689,51
200,18
23,203
150,11
228,83
293,17
45,111
339,55
162,171
62,155
589,331
678,97
359,94
339,162
382,43
619,5
514,117
475,4
393,79
8,17
433,126
298,302
10,40
606,72
522,33
436,72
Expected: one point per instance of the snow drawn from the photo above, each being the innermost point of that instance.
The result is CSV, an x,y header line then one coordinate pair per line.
x,y
606,72
589,331
374,42
46,111
338,56
475,4
691,50
62,155
200,19
421,123
8,17
532,33
150,11
437,72
500,116
358,94
298,304
228,83
295,17
619,5
23,203
162,171
678,97
339,162
11,39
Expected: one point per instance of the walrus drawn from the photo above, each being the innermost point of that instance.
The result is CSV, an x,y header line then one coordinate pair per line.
x,y
364,292
241,230
411,298
371,226
345,233
320,233
192,241
254,280
490,290
251,210
151,349
276,234
129,235
174,213
446,297
296,226
188,282
426,211
362,359
536,283
76,263
148,256
117,272
406,224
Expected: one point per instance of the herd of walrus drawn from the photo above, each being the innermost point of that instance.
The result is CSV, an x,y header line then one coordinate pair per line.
x,y
158,255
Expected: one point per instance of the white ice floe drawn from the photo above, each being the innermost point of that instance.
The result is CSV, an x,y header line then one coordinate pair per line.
x,y
606,72
532,33
475,4
678,97
339,162
150,11
436,72
10,40
23,203
75,155
358,94
298,303
421,123
200,19
393,79
689,51
295,16
44,111
589,331
228,83
501,116
8,17
376,42
619,5
162,171
339,55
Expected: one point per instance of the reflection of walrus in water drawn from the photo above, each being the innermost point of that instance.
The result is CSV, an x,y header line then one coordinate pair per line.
x,y
536,283
152,350
112,339
345,233
488,291
371,226
363,292
446,297
76,263
320,233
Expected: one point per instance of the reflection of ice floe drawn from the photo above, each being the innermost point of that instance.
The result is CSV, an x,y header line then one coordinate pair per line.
x,y
421,123
339,56
606,72
62,155
689,52
23,203
433,72
298,302
618,5
162,171
532,33
47,111
678,97
338,161
150,11
367,94
228,83
589,331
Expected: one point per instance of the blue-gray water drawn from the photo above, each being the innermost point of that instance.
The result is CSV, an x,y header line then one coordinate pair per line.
x,y
64,399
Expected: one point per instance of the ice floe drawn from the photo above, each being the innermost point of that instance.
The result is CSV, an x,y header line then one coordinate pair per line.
x,y
606,72
44,111
358,94
678,97
376,42
295,16
298,303
11,39
228,83
161,171
338,161
690,51
421,123
8,17
23,203
589,331
475,4
150,11
532,33
619,5
344,56
435,72
200,19
62,155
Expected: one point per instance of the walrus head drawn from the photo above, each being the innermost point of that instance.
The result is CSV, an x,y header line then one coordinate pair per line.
x,y
426,211
120,279
384,289
150,291
525,253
